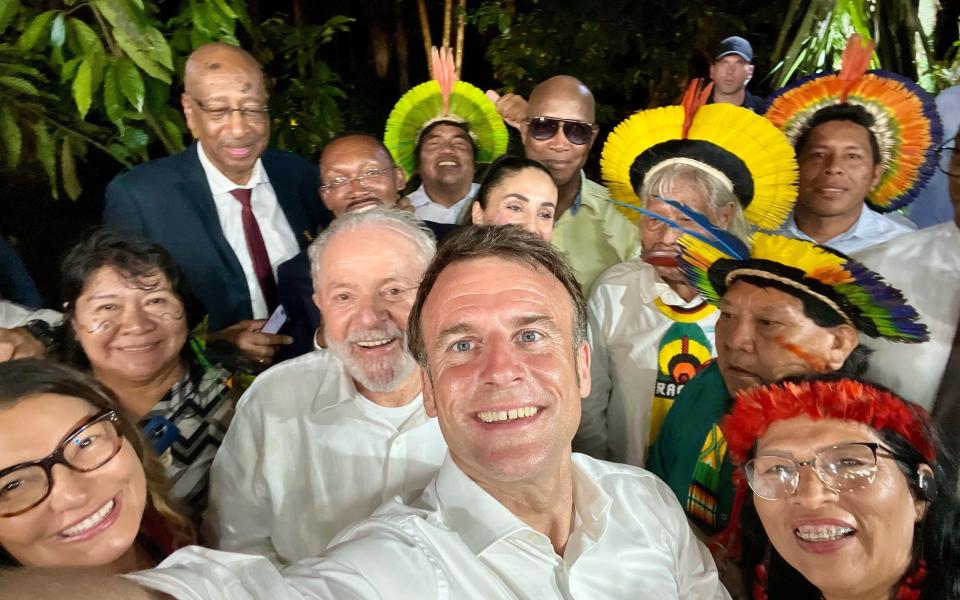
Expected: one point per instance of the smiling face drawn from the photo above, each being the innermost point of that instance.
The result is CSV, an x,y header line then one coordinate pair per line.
x,y
730,74
868,531
763,336
355,156
223,78
89,519
503,373
446,157
368,281
561,157
129,330
836,170
527,198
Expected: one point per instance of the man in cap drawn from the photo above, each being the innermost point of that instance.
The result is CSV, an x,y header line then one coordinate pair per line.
x,y
731,70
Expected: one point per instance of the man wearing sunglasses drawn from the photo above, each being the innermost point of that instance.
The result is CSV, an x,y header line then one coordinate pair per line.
x,y
559,132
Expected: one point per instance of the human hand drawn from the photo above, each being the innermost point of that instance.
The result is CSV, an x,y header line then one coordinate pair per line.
x,y
253,343
512,108
19,343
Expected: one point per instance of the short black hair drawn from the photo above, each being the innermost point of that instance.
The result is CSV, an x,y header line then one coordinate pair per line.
x,y
501,168
426,131
353,133
840,112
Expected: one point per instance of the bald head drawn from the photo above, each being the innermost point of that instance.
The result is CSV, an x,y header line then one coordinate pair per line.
x,y
562,89
217,58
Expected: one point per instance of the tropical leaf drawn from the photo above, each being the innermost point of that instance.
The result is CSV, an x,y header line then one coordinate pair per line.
x,y
68,168
8,10
58,31
19,84
139,40
82,87
112,98
130,83
12,138
36,30
87,39
46,154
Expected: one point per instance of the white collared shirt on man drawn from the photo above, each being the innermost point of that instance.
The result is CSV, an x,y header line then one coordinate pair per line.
x,y
277,235
870,229
428,210
456,542
306,455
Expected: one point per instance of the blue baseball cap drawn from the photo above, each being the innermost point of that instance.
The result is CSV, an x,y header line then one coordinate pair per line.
x,y
735,45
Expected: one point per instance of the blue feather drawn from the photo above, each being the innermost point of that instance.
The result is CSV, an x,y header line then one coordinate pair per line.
x,y
666,220
726,242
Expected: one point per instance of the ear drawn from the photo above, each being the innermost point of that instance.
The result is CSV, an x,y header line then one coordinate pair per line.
x,y
877,173
476,213
429,402
583,368
401,179
316,302
725,216
845,340
749,69
188,113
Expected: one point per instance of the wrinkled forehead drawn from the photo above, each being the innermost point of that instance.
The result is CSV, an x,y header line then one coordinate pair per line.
x,y
346,153
747,296
370,252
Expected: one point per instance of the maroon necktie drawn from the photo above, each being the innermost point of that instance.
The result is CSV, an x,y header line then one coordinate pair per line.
x,y
257,249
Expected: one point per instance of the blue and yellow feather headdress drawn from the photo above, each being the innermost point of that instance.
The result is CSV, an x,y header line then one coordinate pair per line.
x,y
444,98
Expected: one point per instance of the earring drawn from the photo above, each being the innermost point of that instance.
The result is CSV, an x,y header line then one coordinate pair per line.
x,y
927,486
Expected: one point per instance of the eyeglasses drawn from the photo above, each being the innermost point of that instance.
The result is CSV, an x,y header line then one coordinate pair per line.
x,y
85,449
841,468
953,166
577,132
101,318
339,182
220,114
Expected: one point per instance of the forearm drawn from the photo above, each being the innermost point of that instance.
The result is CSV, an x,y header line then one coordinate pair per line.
x,y
76,584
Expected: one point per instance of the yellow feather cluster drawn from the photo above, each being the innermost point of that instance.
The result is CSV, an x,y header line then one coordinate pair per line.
x,y
815,262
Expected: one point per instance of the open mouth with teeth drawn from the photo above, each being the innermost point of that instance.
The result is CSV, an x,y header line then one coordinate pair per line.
x,y
371,344
514,414
822,533
448,163
98,521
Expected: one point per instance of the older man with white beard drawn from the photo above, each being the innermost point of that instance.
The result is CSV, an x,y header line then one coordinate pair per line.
x,y
318,442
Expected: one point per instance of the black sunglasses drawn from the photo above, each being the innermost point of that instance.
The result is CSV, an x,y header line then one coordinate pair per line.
x,y
577,132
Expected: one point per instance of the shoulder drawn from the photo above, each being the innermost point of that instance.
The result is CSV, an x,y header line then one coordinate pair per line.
x,y
627,484
628,274
294,387
298,265
288,162
158,170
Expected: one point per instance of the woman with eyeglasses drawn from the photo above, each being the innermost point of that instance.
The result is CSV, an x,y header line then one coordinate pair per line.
x,y
127,322
78,488
516,190
847,498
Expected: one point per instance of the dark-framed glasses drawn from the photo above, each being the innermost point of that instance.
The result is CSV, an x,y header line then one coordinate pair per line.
x,y
339,182
842,468
219,113
577,132
84,449
952,169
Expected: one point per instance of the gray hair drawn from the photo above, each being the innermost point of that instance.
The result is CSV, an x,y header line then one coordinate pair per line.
x,y
717,194
384,217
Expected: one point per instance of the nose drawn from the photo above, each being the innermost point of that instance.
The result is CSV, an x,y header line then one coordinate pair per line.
x,y
500,365
238,124
371,311
358,186
670,236
740,336
71,490
135,319
834,163
811,492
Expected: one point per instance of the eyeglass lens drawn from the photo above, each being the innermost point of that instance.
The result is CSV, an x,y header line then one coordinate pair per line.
x,y
841,468
544,128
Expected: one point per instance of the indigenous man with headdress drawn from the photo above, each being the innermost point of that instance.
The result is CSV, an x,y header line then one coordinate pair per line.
x,y
650,331
858,136
440,130
787,308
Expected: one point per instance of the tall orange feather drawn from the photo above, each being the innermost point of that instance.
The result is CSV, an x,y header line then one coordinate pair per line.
x,y
693,99
445,72
854,62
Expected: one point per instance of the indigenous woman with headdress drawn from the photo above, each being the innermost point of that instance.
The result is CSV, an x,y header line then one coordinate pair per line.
x,y
650,331
440,130
874,515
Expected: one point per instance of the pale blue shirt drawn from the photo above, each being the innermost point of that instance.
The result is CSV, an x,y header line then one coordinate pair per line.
x,y
871,228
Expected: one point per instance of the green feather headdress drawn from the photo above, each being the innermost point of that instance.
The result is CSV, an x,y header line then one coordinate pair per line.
x,y
444,99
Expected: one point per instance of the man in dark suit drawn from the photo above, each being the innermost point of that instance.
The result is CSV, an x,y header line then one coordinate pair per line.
x,y
228,210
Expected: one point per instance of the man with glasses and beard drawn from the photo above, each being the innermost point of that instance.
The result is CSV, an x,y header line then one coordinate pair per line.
x,y
318,442
559,131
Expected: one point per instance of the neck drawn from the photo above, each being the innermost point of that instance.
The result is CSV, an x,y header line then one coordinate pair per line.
x,y
734,98
544,503
447,195
823,229
138,397
566,194
134,559
401,395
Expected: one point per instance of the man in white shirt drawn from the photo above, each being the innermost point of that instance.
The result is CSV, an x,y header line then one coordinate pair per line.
x,y
320,441
446,157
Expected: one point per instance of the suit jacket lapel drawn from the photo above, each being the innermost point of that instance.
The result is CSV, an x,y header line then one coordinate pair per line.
x,y
288,195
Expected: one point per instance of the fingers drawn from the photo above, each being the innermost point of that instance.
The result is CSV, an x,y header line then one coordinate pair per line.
x,y
512,108
19,343
260,346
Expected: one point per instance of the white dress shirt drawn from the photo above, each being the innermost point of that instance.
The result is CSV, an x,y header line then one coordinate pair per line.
x,y
625,330
456,542
307,455
925,266
871,228
428,210
13,315
277,235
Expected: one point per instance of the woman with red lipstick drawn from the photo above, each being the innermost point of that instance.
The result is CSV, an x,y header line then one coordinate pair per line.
x,y
849,494
77,486
127,321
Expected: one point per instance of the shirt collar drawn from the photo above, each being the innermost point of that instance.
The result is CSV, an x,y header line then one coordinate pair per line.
x,y
220,183
419,196
860,229
481,520
578,200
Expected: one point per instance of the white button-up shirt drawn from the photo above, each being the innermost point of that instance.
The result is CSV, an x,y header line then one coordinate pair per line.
x,y
428,210
871,228
278,238
625,331
456,542
925,266
307,455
